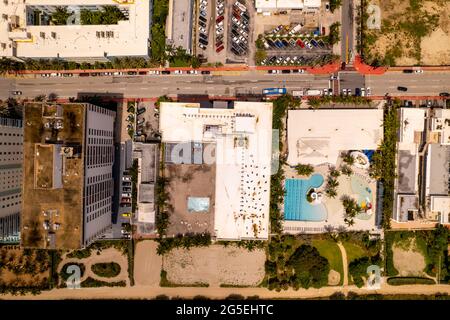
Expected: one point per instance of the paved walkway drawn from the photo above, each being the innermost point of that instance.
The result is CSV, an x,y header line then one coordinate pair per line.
x,y
106,255
149,292
344,262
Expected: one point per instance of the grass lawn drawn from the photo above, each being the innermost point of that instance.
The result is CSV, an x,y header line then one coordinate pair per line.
x,y
330,250
354,251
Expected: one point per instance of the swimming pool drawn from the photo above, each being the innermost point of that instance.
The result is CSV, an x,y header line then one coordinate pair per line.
x,y
361,187
296,206
197,204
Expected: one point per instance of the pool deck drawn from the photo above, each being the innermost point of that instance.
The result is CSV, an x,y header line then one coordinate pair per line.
x,y
334,206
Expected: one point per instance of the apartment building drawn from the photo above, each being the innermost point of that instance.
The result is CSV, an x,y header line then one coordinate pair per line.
x,y
67,182
422,193
11,160
31,29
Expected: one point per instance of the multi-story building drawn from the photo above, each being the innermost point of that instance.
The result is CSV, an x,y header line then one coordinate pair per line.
x,y
11,159
422,194
68,185
74,30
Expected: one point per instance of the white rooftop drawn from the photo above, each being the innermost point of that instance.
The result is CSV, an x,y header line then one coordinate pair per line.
x,y
127,38
279,4
243,158
441,205
412,122
319,136
440,123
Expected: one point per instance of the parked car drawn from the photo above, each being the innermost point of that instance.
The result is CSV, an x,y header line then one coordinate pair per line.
x,y
141,110
165,72
444,94
402,88
16,93
206,72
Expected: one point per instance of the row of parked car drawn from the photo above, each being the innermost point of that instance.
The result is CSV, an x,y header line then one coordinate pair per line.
x,y
294,43
240,20
203,24
290,60
220,11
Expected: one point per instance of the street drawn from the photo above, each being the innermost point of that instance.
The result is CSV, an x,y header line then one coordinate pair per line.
x,y
245,82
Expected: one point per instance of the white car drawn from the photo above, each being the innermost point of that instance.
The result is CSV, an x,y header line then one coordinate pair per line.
x,y
202,30
418,71
368,91
178,72
193,72
344,92
363,92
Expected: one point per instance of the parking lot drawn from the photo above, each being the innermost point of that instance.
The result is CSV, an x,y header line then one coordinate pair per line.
x,y
295,37
240,17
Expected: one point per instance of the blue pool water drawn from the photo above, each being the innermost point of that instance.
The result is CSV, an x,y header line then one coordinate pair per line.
x,y
296,206
196,204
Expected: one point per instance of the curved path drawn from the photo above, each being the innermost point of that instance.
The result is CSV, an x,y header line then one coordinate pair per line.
x,y
106,255
344,262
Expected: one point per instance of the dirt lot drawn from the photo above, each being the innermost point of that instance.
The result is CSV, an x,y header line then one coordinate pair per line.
x,y
190,181
215,265
408,260
412,32
147,264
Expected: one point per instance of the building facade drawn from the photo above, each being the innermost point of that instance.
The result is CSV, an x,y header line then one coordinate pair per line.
x,y
99,184
11,159
68,184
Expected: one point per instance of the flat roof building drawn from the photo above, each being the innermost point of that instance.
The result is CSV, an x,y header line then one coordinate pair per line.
x,y
423,181
274,5
238,142
180,26
27,30
67,180
319,136
11,162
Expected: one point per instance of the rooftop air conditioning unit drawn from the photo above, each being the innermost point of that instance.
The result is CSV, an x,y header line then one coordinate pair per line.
x,y
54,35
5,16
42,34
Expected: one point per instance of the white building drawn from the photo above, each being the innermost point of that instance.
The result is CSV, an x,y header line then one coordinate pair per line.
x,y
11,159
319,136
277,5
25,30
422,191
242,137
67,181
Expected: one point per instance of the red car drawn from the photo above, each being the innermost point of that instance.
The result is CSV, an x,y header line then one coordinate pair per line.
x,y
300,43
219,49
219,19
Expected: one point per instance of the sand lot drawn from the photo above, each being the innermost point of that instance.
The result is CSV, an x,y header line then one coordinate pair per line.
x,y
408,261
394,40
215,265
147,264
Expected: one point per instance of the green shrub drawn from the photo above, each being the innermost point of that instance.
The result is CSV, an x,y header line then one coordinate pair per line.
x,y
398,281
92,283
106,269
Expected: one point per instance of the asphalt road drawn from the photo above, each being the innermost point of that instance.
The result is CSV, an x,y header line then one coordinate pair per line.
x,y
346,30
154,86
425,84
